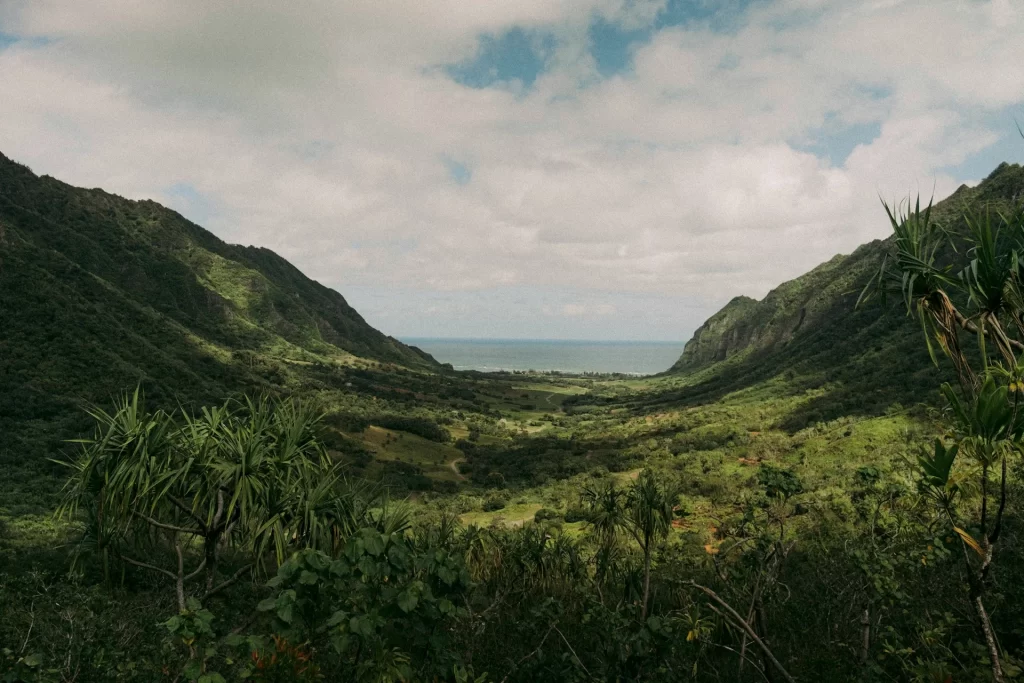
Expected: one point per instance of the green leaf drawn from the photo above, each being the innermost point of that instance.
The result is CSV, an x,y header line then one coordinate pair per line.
x,y
317,561
373,543
936,467
360,626
341,643
284,613
407,601
447,575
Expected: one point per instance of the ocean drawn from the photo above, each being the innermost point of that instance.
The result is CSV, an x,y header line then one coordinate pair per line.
x,y
490,355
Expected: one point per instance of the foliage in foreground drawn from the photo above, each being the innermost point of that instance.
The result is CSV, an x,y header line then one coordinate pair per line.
x,y
347,586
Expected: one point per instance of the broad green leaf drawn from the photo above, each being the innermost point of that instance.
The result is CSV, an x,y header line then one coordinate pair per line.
x,y
407,601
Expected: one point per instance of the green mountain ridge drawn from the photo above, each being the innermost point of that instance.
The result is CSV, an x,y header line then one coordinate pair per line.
x,y
746,326
101,292
811,327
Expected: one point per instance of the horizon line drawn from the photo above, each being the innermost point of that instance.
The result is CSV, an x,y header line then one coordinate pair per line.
x,y
539,339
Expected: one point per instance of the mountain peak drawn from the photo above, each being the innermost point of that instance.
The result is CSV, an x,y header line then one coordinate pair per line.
x,y
811,321
101,292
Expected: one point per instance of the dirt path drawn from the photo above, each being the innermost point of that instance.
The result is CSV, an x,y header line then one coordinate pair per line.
x,y
547,399
454,467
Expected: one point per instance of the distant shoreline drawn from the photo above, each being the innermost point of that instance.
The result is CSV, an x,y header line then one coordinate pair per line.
x,y
501,340
552,356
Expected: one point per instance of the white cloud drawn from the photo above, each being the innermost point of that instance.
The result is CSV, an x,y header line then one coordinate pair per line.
x,y
576,310
323,133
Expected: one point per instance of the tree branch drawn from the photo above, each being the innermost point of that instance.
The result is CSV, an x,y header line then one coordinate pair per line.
x,y
1002,506
564,640
527,656
968,324
220,509
198,569
149,566
187,510
746,627
234,578
169,527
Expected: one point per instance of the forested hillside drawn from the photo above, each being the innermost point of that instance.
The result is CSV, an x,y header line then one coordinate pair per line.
x,y
812,327
100,293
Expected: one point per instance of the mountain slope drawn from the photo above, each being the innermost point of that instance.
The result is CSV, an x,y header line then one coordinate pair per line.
x,y
809,330
100,292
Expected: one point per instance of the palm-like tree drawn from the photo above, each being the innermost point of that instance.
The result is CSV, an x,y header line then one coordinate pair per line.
x,y
249,474
644,512
989,296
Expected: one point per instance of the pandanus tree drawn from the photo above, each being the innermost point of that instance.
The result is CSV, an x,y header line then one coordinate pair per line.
x,y
249,475
981,304
643,512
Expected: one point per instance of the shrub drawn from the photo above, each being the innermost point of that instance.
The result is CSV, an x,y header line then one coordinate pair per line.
x,y
575,514
545,514
493,503
779,482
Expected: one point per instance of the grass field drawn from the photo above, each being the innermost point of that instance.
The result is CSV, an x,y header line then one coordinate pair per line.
x,y
510,515
433,458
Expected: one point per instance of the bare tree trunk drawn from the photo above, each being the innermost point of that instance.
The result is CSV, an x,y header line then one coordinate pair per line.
x,y
750,620
865,628
179,584
761,626
212,541
990,640
743,643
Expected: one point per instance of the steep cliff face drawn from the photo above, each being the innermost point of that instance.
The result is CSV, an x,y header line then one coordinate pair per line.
x,y
814,315
722,335
745,326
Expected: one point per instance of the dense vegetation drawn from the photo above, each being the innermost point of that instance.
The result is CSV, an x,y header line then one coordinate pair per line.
x,y
100,293
797,500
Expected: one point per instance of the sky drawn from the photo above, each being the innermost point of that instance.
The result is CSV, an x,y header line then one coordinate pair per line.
x,y
561,169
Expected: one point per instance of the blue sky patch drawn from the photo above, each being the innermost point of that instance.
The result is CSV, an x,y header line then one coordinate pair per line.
x,y
190,203
835,141
521,55
516,55
9,39
457,171
721,15
976,167
612,46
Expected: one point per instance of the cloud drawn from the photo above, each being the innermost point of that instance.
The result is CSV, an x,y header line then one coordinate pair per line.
x,y
337,135
575,310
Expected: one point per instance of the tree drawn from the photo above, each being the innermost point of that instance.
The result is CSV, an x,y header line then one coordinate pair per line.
x,y
644,512
251,475
985,302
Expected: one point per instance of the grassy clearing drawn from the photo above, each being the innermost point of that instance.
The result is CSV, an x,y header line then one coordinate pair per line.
x,y
510,515
433,458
